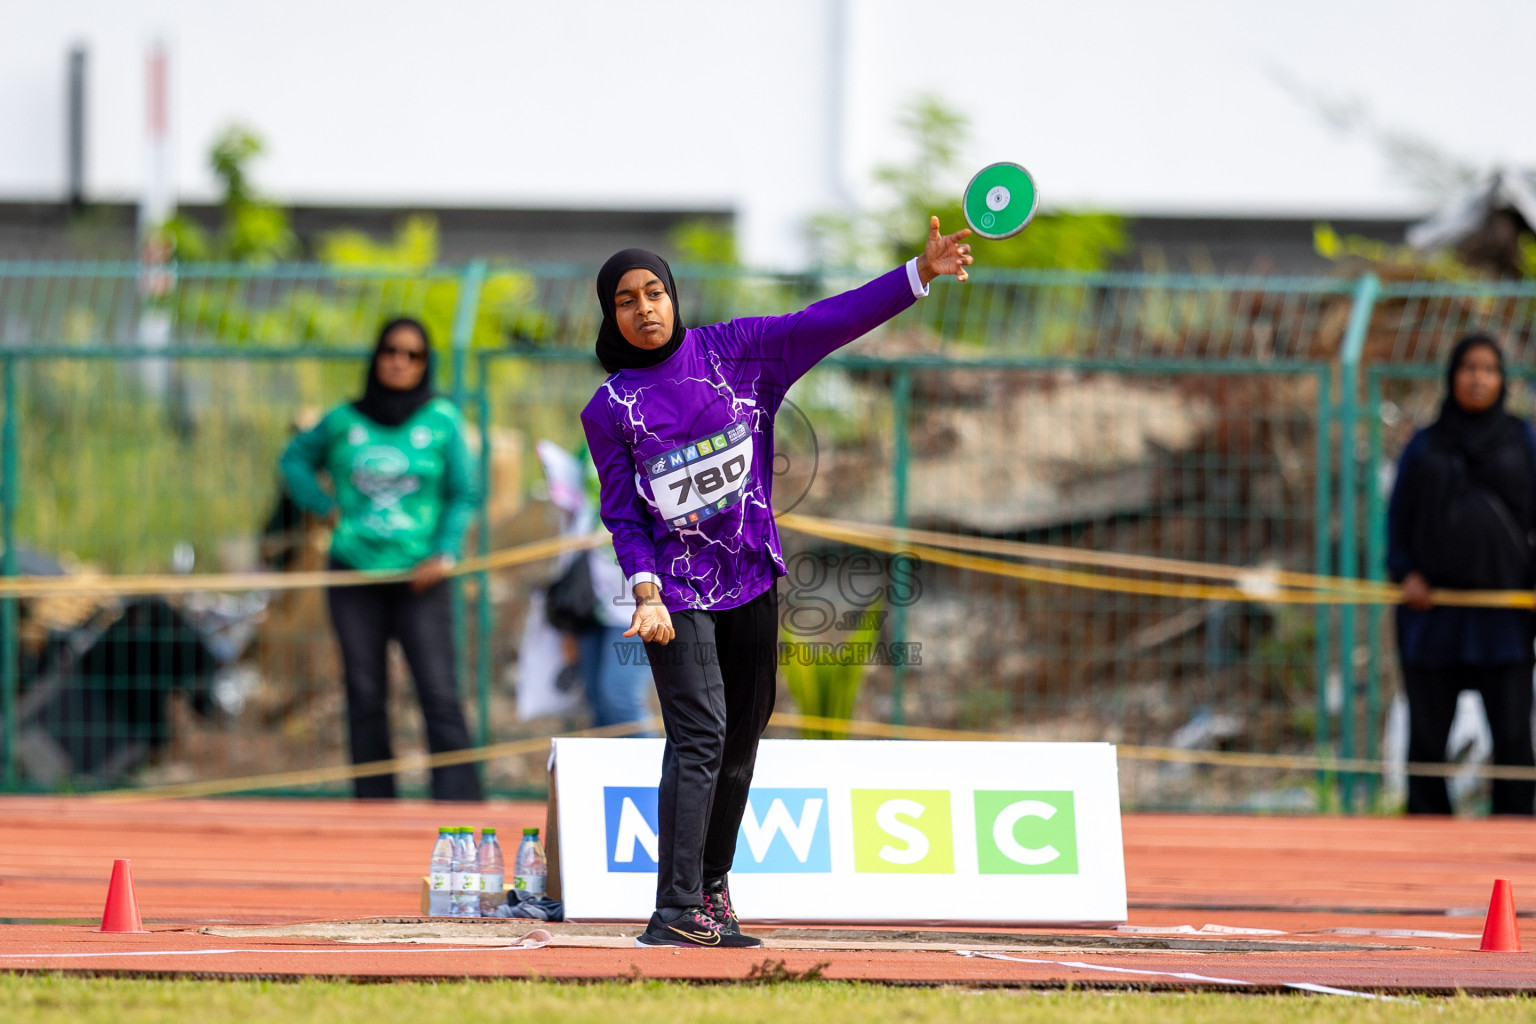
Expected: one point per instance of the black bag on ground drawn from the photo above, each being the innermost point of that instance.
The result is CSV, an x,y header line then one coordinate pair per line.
x,y
570,603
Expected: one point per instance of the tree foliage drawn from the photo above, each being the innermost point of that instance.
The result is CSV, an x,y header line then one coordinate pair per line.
x,y
705,242
370,278
931,182
254,229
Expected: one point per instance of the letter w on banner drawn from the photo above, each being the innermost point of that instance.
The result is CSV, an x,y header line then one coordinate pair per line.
x,y
784,830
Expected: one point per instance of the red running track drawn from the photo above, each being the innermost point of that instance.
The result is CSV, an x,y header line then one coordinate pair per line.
x,y
200,863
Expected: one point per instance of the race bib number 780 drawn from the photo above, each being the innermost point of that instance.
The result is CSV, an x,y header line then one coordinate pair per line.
x,y
703,478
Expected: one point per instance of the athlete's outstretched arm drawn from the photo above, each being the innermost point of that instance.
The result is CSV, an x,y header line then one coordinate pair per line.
x,y
797,341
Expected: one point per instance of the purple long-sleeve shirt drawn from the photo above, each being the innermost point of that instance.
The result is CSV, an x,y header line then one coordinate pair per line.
x,y
684,449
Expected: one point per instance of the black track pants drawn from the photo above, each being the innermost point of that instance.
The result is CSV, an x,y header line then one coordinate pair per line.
x,y
715,681
366,618
1432,693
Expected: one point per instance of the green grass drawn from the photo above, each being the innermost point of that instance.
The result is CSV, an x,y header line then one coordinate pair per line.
x,y
37,998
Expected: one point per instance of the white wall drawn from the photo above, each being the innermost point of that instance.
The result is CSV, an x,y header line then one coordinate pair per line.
x,y
1161,107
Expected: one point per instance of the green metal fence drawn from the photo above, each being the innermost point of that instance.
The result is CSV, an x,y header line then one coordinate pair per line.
x,y
143,411
1229,420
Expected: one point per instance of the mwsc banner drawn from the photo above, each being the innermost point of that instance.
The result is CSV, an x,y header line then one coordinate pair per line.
x,y
864,830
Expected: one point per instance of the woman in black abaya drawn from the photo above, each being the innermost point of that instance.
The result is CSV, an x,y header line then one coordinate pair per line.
x,y
1463,517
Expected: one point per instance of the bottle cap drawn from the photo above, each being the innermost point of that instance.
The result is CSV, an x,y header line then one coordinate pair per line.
x,y
530,831
487,831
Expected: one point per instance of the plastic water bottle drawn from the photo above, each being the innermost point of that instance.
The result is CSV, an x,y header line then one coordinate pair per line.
x,y
489,862
466,898
455,870
532,867
440,875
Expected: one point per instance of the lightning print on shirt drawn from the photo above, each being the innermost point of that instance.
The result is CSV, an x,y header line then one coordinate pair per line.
x,y
709,536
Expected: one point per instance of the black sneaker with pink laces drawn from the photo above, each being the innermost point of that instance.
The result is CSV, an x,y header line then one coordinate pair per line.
x,y
717,901
681,926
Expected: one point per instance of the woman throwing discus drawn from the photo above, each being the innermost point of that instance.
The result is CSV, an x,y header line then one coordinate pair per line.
x,y
682,435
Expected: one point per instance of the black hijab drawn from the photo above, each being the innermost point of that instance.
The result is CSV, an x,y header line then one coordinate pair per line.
x,y
1476,435
1473,492
388,406
612,350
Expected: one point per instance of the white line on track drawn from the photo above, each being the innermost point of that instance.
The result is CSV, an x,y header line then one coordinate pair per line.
x,y
1305,986
1400,933
226,952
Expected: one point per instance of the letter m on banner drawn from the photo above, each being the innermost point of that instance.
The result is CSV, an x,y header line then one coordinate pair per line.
x,y
784,830
630,815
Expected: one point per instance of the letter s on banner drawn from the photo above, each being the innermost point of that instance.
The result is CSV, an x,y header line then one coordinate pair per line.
x,y
917,843
902,830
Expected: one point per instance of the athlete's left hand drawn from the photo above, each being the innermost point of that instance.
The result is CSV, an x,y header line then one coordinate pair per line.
x,y
944,254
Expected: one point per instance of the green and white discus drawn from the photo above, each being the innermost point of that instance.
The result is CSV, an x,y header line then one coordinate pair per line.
x,y
1000,200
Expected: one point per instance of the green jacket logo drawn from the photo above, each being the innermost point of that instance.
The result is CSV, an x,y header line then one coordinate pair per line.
x,y
1017,832
383,474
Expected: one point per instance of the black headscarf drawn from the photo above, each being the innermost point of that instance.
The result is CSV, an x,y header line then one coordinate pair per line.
x,y
391,406
1474,491
612,350
1477,435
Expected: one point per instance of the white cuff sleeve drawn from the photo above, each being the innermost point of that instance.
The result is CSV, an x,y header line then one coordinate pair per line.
x,y
642,577
919,290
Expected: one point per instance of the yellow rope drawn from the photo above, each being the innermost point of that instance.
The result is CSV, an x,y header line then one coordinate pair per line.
x,y
346,772
1080,556
1267,585
785,720
104,586
1222,758
1254,585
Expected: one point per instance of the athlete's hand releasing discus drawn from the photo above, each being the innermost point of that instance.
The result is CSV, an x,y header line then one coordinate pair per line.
x,y
682,435
944,254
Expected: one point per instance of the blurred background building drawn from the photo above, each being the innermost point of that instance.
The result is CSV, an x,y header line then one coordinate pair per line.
x,y
529,129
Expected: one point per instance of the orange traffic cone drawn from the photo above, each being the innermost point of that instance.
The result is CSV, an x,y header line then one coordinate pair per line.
x,y
121,913
1500,935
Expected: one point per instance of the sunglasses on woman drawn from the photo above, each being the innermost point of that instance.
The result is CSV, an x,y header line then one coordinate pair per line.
x,y
415,355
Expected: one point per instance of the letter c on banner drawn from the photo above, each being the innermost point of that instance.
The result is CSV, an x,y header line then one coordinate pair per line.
x,y
917,843
1002,833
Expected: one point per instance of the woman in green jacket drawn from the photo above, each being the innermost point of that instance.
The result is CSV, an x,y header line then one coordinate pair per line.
x,y
404,492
